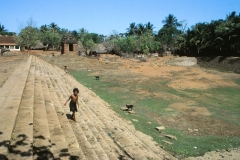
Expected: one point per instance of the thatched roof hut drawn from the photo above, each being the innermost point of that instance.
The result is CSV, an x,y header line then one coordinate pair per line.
x,y
81,49
39,46
99,49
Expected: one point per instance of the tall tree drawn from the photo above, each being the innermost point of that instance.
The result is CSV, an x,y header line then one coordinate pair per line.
x,y
171,21
132,30
28,37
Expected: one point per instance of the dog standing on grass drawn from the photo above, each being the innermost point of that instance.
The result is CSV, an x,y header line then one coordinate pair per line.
x,y
129,106
97,77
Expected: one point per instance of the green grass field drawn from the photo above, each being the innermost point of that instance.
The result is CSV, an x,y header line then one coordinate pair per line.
x,y
223,103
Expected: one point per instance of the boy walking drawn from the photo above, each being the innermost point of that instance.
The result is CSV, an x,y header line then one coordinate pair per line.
x,y
73,103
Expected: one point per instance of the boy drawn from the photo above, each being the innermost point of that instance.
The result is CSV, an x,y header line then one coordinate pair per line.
x,y
73,103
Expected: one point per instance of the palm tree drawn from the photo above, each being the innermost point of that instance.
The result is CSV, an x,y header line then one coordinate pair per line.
x,y
171,21
132,30
2,28
149,26
141,29
54,26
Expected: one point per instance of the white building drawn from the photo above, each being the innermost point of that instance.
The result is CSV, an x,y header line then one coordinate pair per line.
x,y
9,42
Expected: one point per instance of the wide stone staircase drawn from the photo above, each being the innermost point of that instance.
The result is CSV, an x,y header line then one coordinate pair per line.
x,y
34,123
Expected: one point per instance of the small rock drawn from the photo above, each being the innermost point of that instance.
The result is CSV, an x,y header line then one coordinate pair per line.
x,y
171,136
131,112
135,120
195,130
124,108
166,142
190,130
160,128
149,122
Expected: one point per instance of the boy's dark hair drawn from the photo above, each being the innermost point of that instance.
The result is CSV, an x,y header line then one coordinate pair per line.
x,y
75,90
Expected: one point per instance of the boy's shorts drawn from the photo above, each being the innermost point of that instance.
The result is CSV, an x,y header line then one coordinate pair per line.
x,y
73,106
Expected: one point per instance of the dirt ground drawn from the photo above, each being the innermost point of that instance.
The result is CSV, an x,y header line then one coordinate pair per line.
x,y
180,78
8,65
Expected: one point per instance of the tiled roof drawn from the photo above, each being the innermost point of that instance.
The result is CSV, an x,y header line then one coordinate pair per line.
x,y
7,39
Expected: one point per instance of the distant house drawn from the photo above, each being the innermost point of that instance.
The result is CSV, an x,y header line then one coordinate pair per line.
x,y
9,42
69,43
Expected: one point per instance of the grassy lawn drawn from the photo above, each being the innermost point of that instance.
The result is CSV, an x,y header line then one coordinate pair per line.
x,y
149,106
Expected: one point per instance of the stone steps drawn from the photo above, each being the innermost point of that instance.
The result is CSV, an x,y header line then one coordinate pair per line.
x,y
36,124
22,136
42,142
10,106
73,146
89,126
81,136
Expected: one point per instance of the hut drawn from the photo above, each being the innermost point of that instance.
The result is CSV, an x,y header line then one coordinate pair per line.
x,y
81,50
69,43
99,49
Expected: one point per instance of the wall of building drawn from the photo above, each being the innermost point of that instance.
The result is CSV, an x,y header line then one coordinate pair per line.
x,y
11,47
66,48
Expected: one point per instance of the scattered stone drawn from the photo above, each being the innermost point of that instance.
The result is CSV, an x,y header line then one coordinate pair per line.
x,y
131,112
190,130
149,122
135,120
167,142
160,128
171,136
195,130
124,108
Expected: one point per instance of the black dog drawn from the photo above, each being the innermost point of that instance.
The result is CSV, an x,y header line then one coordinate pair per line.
x,y
97,77
129,106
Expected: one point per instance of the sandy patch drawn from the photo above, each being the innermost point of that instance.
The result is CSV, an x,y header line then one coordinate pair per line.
x,y
190,109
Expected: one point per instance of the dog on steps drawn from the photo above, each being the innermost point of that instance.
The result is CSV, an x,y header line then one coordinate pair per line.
x,y
129,106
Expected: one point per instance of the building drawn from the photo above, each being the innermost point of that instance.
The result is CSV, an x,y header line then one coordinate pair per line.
x,y
69,43
9,42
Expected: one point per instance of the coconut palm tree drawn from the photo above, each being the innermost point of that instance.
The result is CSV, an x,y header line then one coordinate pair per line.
x,y
132,30
54,26
149,26
171,21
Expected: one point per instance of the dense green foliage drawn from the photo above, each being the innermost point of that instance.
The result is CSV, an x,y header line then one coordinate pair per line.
x,y
51,35
219,37
28,37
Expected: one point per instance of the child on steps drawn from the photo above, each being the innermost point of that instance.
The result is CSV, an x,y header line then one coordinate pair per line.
x,y
73,103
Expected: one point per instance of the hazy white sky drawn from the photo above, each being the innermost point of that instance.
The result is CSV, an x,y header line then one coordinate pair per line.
x,y
103,16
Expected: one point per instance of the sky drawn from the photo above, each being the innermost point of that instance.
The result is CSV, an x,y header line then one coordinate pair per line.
x,y
104,16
